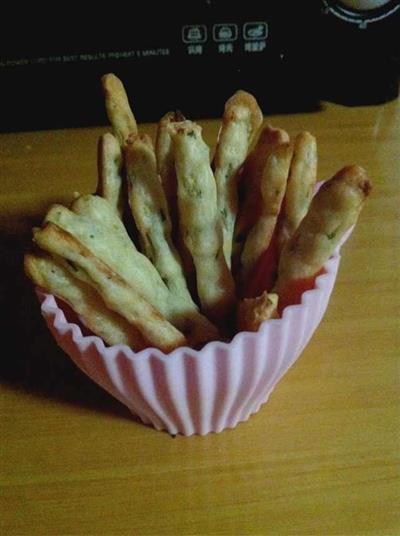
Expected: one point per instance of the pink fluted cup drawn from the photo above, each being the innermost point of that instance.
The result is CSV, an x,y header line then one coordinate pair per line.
x,y
197,392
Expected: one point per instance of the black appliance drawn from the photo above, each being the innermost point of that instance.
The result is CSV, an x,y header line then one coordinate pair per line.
x,y
192,56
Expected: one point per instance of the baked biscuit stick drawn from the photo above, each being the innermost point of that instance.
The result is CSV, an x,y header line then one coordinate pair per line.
x,y
199,219
252,312
241,120
98,227
117,294
165,160
254,166
150,212
333,210
99,211
272,188
151,215
109,169
100,230
166,170
118,110
50,275
300,186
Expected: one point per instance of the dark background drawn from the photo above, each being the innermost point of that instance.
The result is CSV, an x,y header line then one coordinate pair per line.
x,y
311,54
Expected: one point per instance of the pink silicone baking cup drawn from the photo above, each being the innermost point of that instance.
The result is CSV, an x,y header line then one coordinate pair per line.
x,y
197,392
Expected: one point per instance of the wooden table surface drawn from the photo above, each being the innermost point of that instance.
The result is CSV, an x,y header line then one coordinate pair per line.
x,y
321,457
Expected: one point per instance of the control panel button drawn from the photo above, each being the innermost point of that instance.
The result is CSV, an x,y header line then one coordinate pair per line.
x,y
255,31
225,32
194,33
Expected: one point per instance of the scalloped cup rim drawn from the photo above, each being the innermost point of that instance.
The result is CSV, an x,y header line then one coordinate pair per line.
x,y
212,345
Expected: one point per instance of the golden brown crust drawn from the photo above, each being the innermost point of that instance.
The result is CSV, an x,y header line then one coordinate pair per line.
x,y
165,159
243,99
49,274
166,169
252,312
118,109
119,296
146,196
273,179
151,215
254,165
109,169
300,186
241,120
95,224
333,210
199,219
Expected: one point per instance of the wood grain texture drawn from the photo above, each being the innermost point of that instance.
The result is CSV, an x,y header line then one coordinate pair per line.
x,y
321,457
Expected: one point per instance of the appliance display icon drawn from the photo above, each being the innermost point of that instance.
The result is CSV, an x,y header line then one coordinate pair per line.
x,y
225,32
196,33
253,31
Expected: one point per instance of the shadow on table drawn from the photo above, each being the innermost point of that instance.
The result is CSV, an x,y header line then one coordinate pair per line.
x,y
30,360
